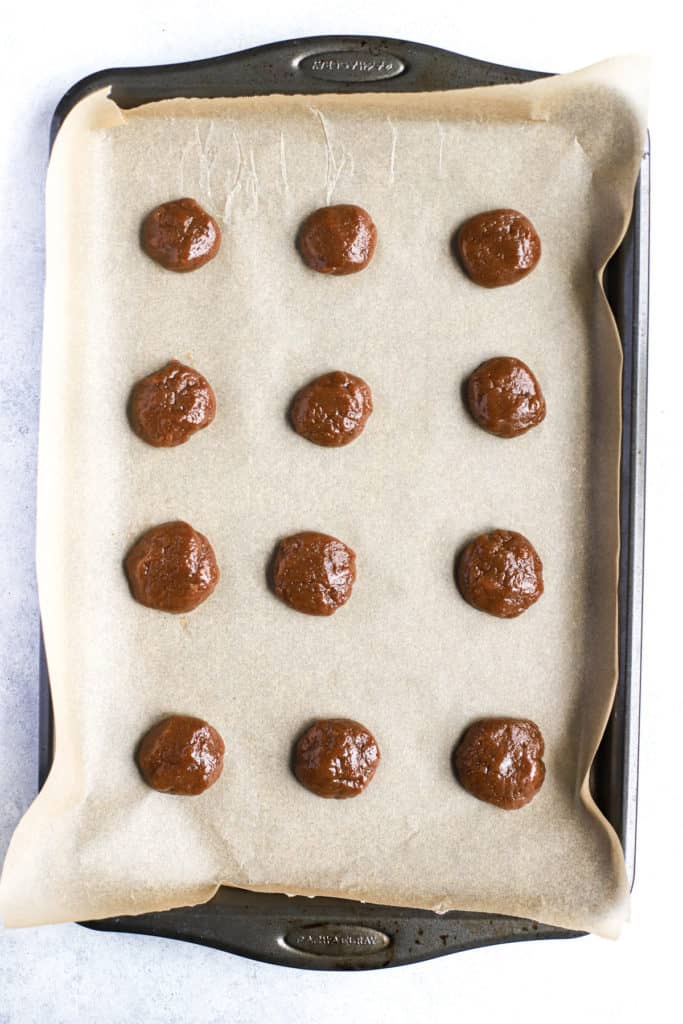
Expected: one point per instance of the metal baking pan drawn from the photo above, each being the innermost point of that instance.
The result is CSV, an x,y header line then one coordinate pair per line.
x,y
332,934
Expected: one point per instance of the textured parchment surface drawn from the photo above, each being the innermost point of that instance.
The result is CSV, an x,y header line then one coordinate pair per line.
x,y
406,656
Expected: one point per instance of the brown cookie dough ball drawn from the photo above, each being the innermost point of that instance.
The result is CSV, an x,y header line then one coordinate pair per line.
x,y
500,573
336,758
332,410
337,239
314,573
172,568
498,247
505,398
181,755
180,235
169,406
499,760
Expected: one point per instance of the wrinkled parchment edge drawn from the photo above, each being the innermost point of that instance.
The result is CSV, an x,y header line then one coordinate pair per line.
x,y
624,78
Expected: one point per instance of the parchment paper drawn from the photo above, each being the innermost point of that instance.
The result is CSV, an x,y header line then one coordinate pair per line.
x,y
406,656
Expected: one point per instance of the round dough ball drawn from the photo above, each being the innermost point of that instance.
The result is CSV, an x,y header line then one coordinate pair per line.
x,y
499,760
180,235
314,573
169,406
498,247
181,755
337,239
332,410
336,758
172,568
500,573
505,398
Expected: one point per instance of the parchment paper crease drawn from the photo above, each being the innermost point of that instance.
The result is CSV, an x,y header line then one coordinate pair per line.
x,y
406,656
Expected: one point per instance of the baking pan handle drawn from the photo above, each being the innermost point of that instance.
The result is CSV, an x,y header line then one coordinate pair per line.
x,y
320,64
282,930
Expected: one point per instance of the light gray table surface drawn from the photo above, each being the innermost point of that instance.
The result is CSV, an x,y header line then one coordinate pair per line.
x,y
66,973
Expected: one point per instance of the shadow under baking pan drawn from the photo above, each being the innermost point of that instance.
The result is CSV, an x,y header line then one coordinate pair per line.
x,y
333,934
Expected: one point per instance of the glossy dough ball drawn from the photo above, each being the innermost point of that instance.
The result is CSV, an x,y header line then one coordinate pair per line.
x,y
181,755
498,247
332,410
337,239
180,235
172,568
505,398
336,758
499,760
314,573
500,573
169,406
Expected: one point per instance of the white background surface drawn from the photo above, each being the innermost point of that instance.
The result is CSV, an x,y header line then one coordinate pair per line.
x,y
64,974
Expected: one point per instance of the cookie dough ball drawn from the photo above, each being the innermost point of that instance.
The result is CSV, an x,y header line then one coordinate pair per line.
x,y
169,406
332,410
180,235
337,239
505,398
181,755
500,573
314,573
172,568
336,758
499,760
498,247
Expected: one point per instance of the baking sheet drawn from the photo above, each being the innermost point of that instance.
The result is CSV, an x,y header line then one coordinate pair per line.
x,y
406,656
